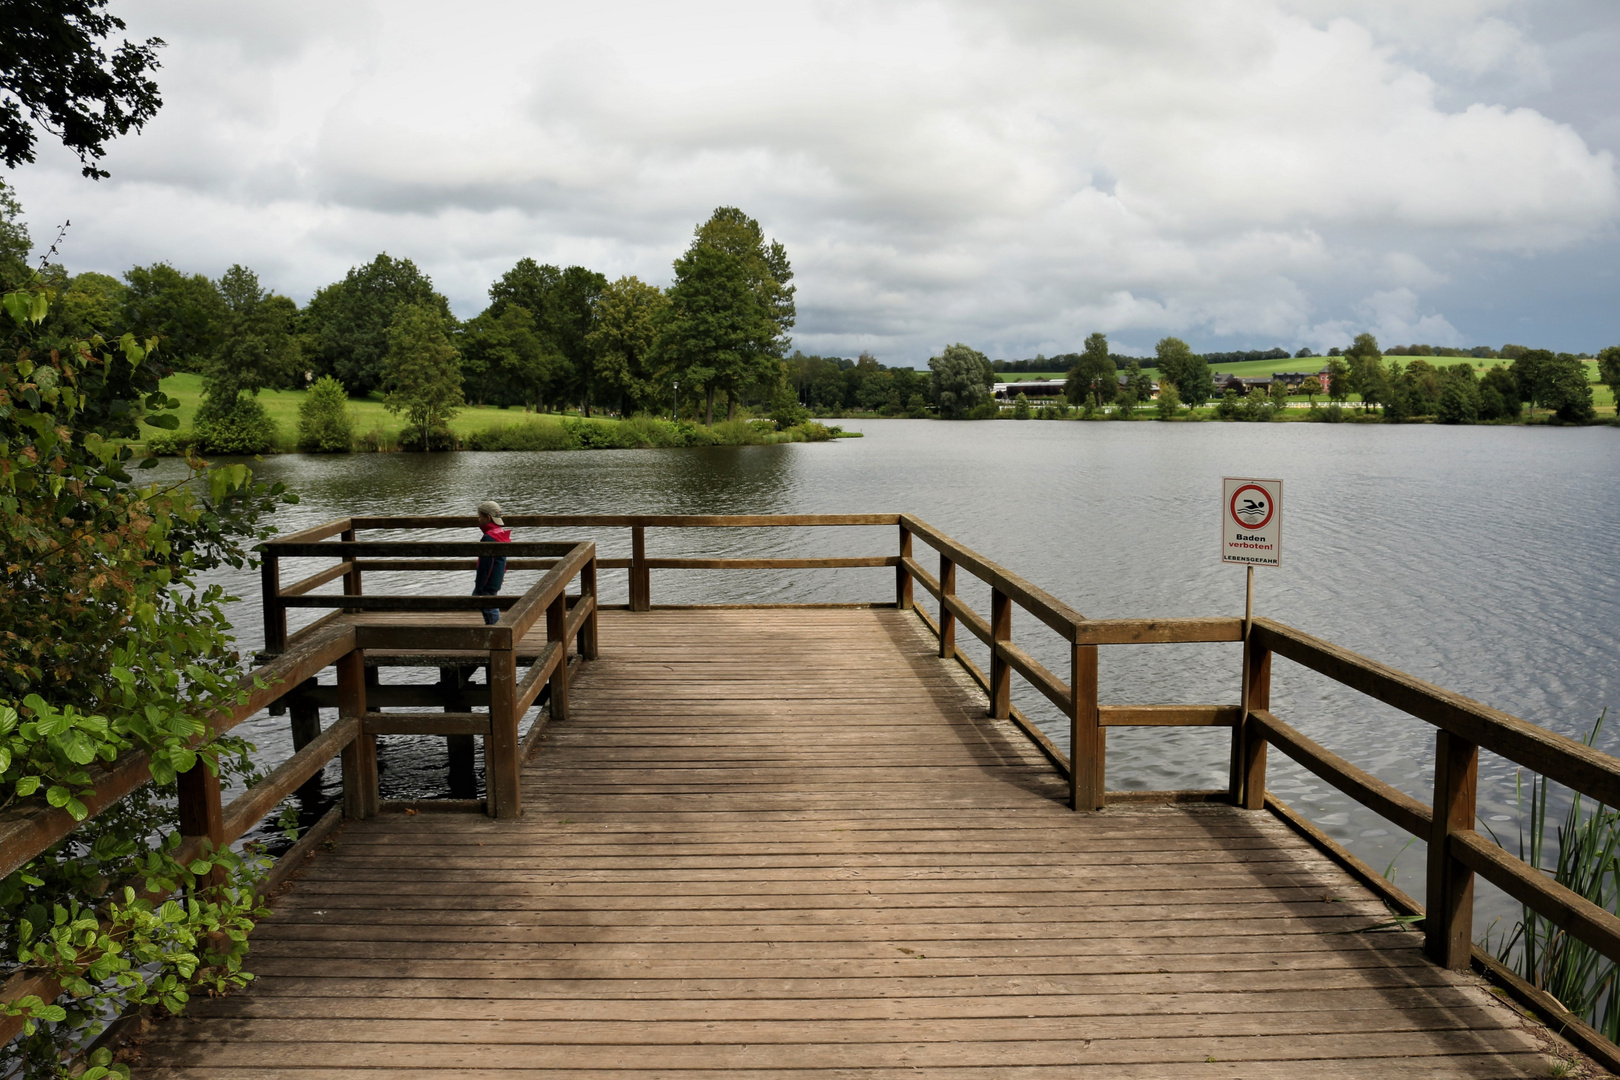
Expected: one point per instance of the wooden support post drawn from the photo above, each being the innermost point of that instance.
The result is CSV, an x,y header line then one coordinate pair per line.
x,y
902,576
556,624
1248,780
459,749
1000,670
351,580
306,726
201,815
1448,929
360,798
640,576
501,765
947,621
587,631
275,615
1088,752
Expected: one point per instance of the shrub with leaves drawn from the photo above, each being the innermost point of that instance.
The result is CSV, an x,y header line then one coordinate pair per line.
x,y
324,426
111,643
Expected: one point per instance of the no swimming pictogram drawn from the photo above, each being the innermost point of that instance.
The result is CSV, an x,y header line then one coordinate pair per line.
x,y
1251,506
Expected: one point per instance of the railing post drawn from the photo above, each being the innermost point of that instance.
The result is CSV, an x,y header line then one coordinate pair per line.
x,y
902,576
501,765
1448,928
1088,744
459,749
556,625
1000,670
360,756
305,721
201,815
275,614
947,620
640,575
351,580
587,630
1248,780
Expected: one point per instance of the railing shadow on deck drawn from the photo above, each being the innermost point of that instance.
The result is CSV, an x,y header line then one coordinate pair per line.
x,y
421,631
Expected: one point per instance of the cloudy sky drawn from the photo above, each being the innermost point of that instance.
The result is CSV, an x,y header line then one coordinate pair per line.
x,y
1015,175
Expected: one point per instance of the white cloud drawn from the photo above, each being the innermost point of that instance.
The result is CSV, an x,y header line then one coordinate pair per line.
x,y
1013,175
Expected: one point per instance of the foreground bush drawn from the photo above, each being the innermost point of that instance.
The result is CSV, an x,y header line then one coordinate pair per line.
x,y
112,643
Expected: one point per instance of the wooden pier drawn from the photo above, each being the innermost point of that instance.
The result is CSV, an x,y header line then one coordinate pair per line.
x,y
763,843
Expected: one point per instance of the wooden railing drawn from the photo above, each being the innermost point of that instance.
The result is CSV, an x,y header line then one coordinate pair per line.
x,y
1456,852
500,647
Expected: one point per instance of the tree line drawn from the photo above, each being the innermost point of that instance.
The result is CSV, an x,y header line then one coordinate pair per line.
x,y
550,338
961,378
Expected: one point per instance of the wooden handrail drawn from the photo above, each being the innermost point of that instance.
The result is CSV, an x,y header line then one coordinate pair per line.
x,y
32,828
1568,761
1389,802
1037,601
629,521
442,549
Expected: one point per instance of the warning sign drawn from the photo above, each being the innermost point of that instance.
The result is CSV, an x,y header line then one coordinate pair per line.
x,y
1251,521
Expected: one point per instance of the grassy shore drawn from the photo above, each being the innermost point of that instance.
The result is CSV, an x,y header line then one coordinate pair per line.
x,y
490,428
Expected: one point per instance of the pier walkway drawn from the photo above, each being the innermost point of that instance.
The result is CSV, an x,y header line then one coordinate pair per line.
x,y
770,844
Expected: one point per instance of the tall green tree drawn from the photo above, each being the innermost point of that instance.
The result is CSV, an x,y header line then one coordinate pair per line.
x,y
421,376
347,322
505,360
1608,364
731,307
1565,389
1368,376
1093,375
15,243
257,346
1189,371
961,378
183,311
55,77
1339,381
623,343
563,306
256,349
1139,382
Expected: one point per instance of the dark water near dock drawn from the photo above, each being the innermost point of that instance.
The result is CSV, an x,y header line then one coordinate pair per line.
x,y
1482,559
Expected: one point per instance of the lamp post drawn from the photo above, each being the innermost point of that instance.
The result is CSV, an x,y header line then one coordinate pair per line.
x,y
677,401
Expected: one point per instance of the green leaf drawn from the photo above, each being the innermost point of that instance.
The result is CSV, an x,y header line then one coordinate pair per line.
x,y
16,305
199,867
57,795
39,307
166,421
5,759
54,1013
27,786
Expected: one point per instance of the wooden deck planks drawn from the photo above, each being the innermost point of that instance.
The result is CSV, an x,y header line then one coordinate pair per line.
x,y
786,843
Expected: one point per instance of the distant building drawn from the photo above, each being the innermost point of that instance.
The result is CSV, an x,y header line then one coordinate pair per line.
x,y
1034,389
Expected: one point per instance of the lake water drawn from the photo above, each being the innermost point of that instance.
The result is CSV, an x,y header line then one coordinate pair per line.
x,y
1482,559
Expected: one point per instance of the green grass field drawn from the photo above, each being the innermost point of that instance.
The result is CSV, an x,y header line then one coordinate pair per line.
x,y
368,414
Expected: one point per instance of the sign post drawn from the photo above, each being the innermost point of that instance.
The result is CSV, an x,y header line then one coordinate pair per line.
x,y
1251,534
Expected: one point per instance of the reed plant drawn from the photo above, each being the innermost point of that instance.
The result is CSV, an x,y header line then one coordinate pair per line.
x,y
1585,859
